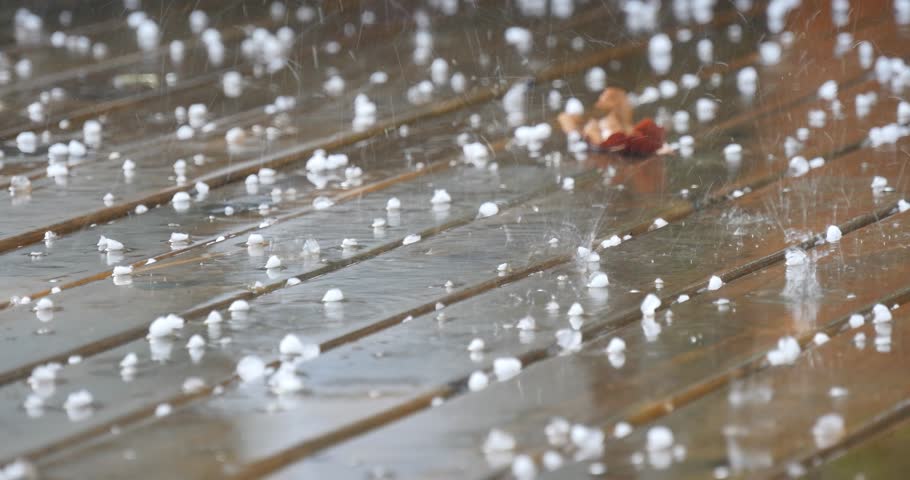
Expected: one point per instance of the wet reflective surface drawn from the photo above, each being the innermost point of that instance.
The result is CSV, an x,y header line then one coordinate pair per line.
x,y
732,247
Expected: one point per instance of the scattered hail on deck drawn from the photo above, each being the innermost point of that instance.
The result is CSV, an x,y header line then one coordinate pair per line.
x,y
205,134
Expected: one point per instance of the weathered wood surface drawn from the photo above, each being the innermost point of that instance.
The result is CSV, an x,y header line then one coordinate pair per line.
x,y
392,378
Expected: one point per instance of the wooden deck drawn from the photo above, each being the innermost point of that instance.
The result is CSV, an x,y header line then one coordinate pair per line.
x,y
394,391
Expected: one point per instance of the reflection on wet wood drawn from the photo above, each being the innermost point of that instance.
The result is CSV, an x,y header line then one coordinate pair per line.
x,y
394,376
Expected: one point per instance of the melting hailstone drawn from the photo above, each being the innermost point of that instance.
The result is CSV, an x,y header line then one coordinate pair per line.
x,y
576,310
333,295
273,262
239,306
488,209
650,305
498,441
478,381
250,368
828,430
714,283
786,353
598,280
506,367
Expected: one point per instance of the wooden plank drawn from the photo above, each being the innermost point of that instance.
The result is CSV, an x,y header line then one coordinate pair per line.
x,y
276,314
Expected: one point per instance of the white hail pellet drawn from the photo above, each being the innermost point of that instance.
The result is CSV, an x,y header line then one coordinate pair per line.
x,y
273,262
856,320
121,270
232,84
596,79
195,342
705,109
129,361
78,400
44,304
440,196
333,295
747,81
255,239
526,323
181,197
498,441
817,118
213,318
611,242
828,90
574,107
197,115
881,314
576,310
290,345
148,35
113,245
798,166
705,50
164,326
163,410
235,136
658,223
769,52
598,280
833,234
177,237
412,238
821,338
733,152
334,86
520,38
650,304
903,205
506,367
477,381
523,467
879,183
616,346
27,142
659,438
714,283
828,430
250,368
622,430
476,345
239,306
786,353
488,209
